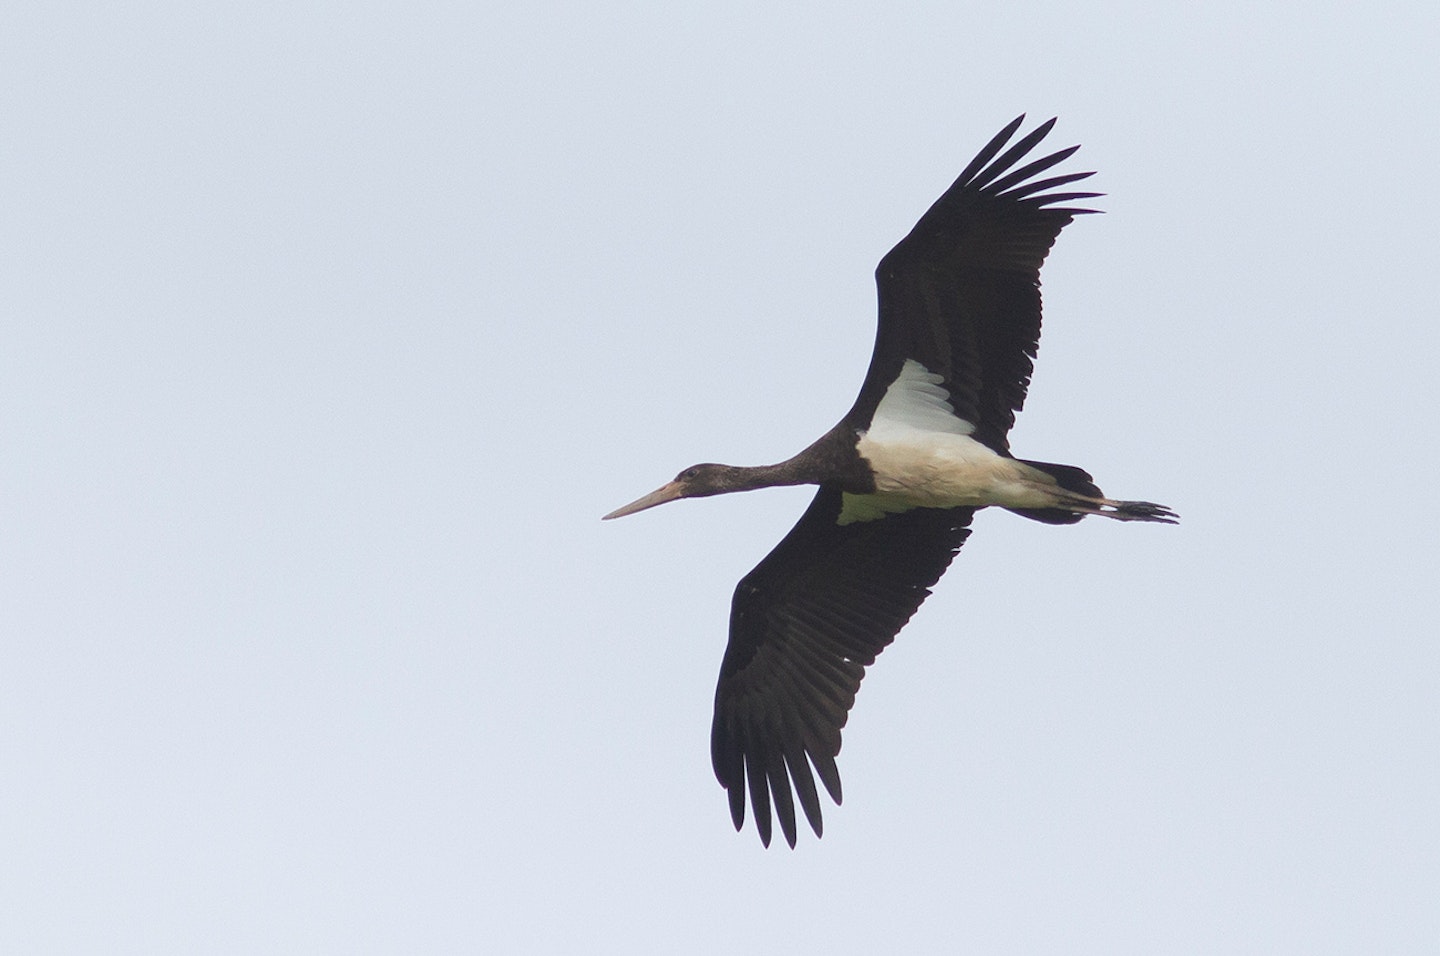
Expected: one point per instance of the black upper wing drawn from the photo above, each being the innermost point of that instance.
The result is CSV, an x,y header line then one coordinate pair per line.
x,y
804,625
961,293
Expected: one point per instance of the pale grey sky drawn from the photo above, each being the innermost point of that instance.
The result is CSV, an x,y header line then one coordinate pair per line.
x,y
328,332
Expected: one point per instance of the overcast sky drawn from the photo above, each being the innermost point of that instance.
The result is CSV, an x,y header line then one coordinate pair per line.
x,y
328,332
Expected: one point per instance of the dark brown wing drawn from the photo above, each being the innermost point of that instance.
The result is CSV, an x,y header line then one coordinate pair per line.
x,y
804,625
961,293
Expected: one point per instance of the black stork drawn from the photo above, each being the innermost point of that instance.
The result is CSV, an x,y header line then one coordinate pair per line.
x,y
900,478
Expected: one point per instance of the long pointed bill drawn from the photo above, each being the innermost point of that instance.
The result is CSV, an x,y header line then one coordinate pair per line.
x,y
657,497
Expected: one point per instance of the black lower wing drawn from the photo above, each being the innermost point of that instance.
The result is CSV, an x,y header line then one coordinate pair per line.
x,y
804,625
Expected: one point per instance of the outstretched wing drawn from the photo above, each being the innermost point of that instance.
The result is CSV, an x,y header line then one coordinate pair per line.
x,y
961,293
804,625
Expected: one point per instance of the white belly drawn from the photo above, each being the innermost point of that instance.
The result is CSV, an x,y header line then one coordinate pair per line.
x,y
922,456
930,470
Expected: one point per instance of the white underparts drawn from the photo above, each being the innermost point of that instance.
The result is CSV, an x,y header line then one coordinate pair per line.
x,y
922,456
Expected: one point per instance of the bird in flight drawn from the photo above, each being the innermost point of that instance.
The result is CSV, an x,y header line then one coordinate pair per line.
x,y
901,476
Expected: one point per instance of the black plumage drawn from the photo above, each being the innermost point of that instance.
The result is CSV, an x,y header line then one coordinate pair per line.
x,y
804,625
961,292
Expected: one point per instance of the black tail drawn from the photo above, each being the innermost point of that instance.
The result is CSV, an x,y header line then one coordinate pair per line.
x,y
1068,477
